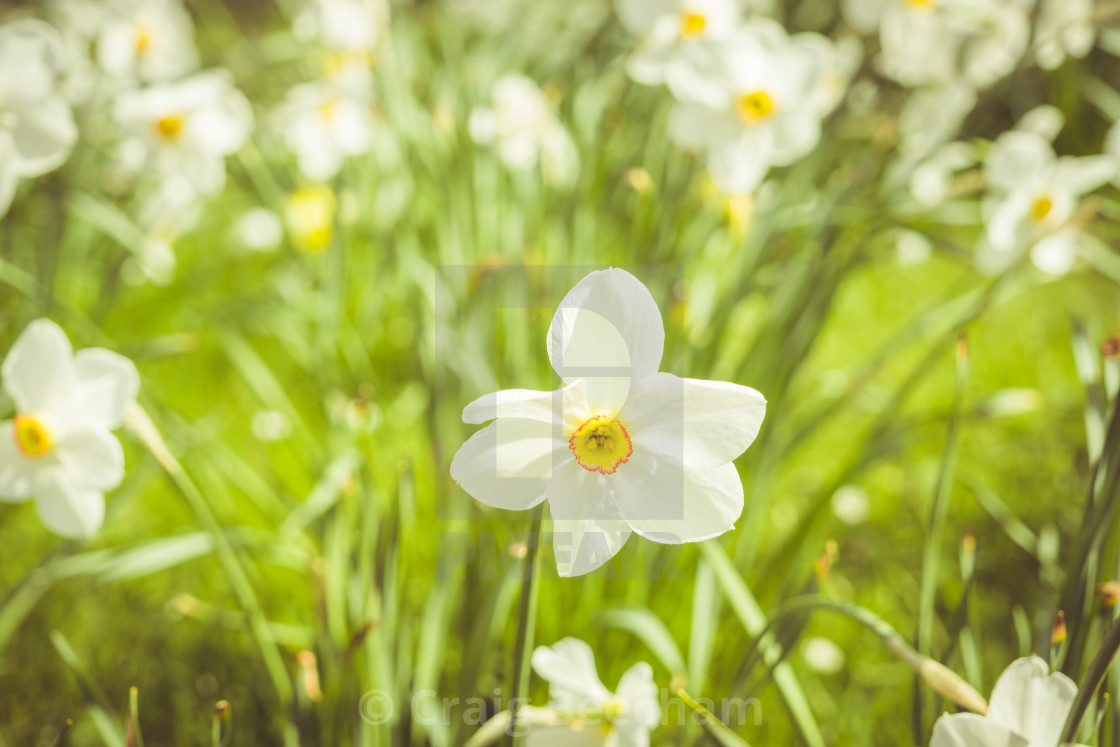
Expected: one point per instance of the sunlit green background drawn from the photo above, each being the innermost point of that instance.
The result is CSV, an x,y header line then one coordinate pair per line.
x,y
437,287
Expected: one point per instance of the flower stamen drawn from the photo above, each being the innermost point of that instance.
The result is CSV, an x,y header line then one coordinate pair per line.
x,y
755,107
692,24
601,444
32,437
1041,208
169,127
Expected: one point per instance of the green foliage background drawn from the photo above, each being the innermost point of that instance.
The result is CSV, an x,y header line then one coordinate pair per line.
x,y
437,288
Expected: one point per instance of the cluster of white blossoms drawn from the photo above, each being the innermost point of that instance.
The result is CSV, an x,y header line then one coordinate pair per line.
x,y
59,449
521,126
621,447
330,119
750,96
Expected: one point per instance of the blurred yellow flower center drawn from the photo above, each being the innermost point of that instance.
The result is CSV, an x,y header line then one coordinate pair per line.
x,y
755,106
692,24
143,41
32,437
1041,208
169,127
310,217
601,444
922,4
328,109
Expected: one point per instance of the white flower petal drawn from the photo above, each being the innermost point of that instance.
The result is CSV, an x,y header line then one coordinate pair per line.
x,y
575,735
43,135
587,528
608,331
1056,253
91,457
1082,175
1017,158
505,465
1030,701
107,384
66,510
739,165
665,501
638,16
569,668
971,730
17,473
546,407
39,370
698,423
638,692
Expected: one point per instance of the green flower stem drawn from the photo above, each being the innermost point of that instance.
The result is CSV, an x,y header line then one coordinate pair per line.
x,y
1094,676
526,622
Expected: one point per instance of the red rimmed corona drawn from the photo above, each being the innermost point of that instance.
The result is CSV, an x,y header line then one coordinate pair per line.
x,y
602,444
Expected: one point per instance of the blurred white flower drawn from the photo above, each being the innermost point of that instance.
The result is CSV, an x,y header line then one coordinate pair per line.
x,y
188,127
1065,28
1028,708
931,181
147,40
259,229
1033,196
165,213
271,425
678,41
59,449
323,126
37,130
768,114
934,42
523,129
591,714
822,655
343,24
620,447
912,248
932,115
850,504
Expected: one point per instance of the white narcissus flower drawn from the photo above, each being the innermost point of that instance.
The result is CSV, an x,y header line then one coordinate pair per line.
x,y
1034,194
37,130
343,24
1028,709
324,125
591,714
59,449
769,114
620,447
523,129
677,44
1065,28
147,40
935,42
188,127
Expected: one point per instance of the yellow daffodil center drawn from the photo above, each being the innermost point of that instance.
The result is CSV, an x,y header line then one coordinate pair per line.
x,y
328,109
143,40
1041,208
170,126
692,24
601,444
922,4
32,437
754,107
